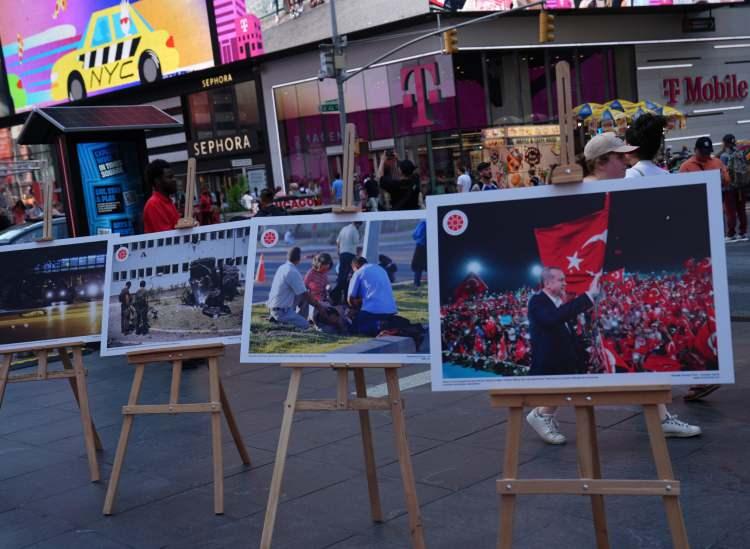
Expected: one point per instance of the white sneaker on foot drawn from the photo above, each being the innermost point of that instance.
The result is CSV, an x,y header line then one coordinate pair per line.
x,y
673,427
546,426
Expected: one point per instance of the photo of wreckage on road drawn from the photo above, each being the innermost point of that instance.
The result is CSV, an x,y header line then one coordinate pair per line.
x,y
175,288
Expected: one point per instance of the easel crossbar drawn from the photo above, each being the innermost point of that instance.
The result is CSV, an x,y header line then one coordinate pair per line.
x,y
37,377
198,407
351,404
589,487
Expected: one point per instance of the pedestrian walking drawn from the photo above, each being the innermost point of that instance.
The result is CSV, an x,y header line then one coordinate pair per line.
x,y
141,310
734,196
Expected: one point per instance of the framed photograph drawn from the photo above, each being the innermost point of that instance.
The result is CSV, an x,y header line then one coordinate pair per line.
x,y
175,288
605,283
51,292
337,287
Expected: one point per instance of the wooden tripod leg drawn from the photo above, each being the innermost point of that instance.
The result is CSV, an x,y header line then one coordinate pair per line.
x,y
83,405
218,458
278,468
370,466
588,461
510,472
68,365
122,444
664,471
236,435
4,369
404,459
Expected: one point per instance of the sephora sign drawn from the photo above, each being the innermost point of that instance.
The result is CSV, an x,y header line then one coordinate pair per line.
x,y
699,89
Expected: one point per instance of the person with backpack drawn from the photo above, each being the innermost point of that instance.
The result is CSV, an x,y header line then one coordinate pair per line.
x,y
734,195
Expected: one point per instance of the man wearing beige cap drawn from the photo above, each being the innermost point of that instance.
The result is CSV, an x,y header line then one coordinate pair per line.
x,y
605,157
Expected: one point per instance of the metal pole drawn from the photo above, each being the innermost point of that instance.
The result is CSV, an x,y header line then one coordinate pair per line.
x,y
338,50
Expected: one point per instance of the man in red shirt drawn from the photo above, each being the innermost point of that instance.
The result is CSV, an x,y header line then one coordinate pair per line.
x,y
159,213
703,161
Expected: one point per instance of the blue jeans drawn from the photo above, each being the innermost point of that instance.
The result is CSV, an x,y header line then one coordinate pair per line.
x,y
289,316
369,324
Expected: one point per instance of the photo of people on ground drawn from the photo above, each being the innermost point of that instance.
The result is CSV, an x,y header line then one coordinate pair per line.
x,y
175,288
562,288
338,287
52,292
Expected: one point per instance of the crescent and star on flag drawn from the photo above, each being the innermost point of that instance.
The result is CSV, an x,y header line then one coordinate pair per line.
x,y
574,262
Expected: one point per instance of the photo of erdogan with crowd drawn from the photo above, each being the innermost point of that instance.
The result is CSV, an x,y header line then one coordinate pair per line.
x,y
580,285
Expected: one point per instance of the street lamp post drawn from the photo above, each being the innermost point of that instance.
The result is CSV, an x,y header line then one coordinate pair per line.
x,y
338,53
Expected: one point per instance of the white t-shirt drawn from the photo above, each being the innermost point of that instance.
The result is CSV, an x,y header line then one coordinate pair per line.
x,y
643,168
464,183
348,240
286,286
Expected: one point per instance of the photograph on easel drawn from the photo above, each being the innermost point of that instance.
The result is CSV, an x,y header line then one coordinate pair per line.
x,y
175,288
51,292
338,287
594,284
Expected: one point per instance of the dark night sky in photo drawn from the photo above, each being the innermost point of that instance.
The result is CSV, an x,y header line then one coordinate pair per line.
x,y
20,262
649,230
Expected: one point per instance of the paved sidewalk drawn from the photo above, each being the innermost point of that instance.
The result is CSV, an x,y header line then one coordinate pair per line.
x,y
165,496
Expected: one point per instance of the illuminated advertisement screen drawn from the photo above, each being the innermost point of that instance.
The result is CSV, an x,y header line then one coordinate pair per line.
x,y
61,50
112,187
497,5
238,26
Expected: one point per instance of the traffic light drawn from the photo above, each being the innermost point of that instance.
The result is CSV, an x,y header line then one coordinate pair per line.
x,y
546,27
450,41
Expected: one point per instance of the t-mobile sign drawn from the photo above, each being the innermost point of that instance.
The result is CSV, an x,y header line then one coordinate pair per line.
x,y
699,89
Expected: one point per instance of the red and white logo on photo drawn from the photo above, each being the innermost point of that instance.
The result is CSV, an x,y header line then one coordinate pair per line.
x,y
122,254
455,222
269,238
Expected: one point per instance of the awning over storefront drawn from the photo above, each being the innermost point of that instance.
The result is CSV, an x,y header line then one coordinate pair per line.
x,y
45,124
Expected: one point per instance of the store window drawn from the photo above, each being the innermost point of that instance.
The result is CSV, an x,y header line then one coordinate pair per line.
x,y
224,111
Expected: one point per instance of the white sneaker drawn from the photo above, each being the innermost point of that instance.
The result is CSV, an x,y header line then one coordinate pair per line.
x,y
546,426
673,427
742,238
730,239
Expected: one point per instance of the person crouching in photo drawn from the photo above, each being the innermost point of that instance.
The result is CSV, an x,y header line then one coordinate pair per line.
x,y
325,316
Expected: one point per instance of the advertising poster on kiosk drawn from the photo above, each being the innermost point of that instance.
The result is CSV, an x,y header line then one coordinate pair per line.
x,y
339,288
521,156
51,292
112,187
175,288
56,51
606,283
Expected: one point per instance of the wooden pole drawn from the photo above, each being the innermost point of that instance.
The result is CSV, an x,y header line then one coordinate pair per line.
x,y
568,171
187,221
49,189
348,142
274,492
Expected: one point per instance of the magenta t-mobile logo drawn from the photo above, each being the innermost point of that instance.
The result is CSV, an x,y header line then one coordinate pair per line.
x,y
420,96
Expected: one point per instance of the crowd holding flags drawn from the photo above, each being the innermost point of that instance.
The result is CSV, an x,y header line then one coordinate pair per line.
x,y
643,322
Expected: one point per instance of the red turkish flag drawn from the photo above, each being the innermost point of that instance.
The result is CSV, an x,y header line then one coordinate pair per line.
x,y
615,276
576,247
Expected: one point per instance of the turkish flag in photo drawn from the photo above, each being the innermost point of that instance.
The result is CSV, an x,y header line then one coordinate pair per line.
x,y
614,276
577,247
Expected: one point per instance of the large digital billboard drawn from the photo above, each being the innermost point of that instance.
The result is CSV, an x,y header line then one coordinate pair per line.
x,y
58,51
497,5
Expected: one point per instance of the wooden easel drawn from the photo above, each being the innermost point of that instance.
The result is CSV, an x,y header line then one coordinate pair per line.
x,y
187,221
568,171
362,404
590,482
347,196
217,405
75,373
73,370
